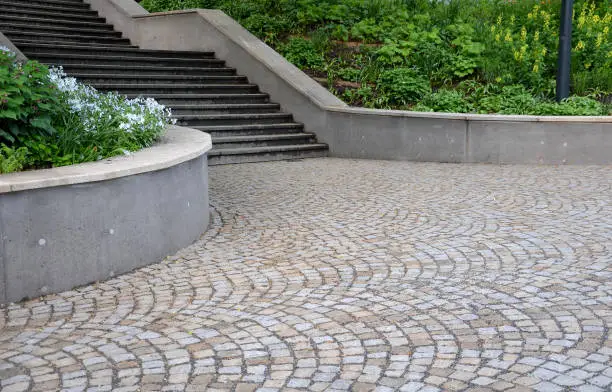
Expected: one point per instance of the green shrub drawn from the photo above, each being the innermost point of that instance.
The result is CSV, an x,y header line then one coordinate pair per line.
x,y
494,43
48,119
12,159
303,54
402,86
452,101
29,101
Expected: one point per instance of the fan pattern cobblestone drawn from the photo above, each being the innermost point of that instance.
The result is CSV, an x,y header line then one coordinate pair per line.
x,y
344,275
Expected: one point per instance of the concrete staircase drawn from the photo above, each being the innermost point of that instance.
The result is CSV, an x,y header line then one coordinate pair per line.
x,y
203,93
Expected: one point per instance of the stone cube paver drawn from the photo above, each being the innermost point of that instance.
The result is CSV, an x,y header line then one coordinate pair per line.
x,y
347,275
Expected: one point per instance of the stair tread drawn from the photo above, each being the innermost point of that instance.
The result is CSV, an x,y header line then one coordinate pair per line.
x,y
230,116
166,85
59,35
121,58
246,127
116,68
73,30
266,149
59,3
137,77
30,20
226,106
265,137
73,7
50,14
28,43
95,47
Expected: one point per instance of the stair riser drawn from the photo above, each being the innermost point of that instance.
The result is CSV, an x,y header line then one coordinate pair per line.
x,y
107,51
56,23
179,83
118,62
276,156
229,121
58,16
143,73
222,111
8,27
280,142
77,5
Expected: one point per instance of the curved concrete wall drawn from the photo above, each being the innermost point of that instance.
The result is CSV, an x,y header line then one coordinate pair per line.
x,y
61,228
365,133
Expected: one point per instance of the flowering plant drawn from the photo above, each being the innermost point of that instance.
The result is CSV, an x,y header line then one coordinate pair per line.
x,y
50,119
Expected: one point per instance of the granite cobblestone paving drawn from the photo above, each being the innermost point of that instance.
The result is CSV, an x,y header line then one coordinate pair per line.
x,y
349,275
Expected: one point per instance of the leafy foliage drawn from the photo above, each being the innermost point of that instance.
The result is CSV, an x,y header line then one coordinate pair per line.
x,y
29,102
491,43
48,119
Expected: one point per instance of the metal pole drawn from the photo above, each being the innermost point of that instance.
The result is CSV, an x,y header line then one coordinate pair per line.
x,y
565,50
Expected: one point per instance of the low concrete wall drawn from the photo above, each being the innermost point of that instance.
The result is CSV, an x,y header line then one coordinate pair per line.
x,y
364,133
68,226
467,138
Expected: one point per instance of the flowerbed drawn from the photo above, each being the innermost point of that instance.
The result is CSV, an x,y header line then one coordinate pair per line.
x,y
48,119
468,56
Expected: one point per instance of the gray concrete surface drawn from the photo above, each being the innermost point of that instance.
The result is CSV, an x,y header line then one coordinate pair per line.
x,y
349,275
56,237
4,41
366,133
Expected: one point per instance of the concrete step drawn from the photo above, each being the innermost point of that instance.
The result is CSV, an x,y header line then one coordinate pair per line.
x,y
84,49
58,43
50,22
195,108
263,154
64,38
151,90
223,142
75,31
177,80
51,3
251,129
55,15
119,61
76,8
223,98
144,70
232,119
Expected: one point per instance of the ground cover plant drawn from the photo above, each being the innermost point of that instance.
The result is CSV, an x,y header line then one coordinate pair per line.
x,y
480,56
48,119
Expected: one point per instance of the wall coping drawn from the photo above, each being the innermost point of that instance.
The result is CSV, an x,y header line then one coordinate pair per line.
x,y
177,145
472,116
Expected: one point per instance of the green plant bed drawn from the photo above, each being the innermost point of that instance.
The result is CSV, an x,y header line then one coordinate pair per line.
x,y
48,119
469,56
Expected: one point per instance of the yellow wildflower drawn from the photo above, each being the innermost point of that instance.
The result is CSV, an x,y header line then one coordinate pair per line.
x,y
587,65
536,68
508,37
536,36
497,37
523,34
579,46
599,40
493,28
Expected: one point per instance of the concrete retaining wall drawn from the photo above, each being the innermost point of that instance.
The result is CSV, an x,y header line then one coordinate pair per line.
x,y
69,226
364,133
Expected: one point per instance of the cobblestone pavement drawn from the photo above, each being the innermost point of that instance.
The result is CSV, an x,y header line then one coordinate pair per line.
x,y
330,274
